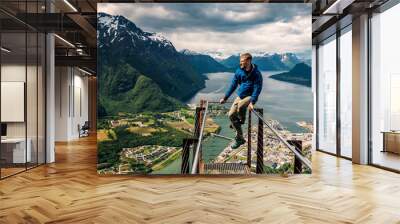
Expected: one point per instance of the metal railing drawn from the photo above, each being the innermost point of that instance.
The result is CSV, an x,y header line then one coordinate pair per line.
x,y
296,151
196,160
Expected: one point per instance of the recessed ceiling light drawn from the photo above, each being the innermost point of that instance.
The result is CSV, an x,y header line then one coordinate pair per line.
x,y
337,7
70,5
84,71
64,40
5,50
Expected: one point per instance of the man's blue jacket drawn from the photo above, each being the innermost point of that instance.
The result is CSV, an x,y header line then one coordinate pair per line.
x,y
250,84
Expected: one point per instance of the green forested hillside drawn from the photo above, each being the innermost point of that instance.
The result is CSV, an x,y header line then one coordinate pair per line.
x,y
123,89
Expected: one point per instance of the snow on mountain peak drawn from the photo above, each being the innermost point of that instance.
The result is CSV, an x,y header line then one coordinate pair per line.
x,y
156,37
104,20
289,56
217,55
118,27
113,23
189,52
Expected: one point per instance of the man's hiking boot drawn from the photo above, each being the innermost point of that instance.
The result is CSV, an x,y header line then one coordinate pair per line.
x,y
238,142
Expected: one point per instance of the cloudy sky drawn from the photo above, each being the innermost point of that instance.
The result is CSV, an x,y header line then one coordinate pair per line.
x,y
221,27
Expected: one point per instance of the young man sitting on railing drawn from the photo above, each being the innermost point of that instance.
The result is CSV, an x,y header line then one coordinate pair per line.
x,y
250,81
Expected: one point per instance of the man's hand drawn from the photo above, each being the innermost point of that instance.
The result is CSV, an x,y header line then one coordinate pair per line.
x,y
222,101
251,106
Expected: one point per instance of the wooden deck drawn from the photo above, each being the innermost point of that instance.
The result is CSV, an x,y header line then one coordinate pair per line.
x,y
226,168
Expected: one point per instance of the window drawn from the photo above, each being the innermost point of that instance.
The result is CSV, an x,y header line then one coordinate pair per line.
x,y
327,95
385,89
346,92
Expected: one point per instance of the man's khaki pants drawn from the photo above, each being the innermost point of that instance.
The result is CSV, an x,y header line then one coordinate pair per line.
x,y
237,114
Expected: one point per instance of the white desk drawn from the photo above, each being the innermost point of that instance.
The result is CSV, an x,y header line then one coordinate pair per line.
x,y
18,151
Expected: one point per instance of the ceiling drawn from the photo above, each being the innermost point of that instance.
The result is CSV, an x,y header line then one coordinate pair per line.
x,y
73,21
329,16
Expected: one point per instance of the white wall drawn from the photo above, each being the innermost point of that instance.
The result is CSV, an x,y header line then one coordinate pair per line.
x,y
10,73
62,81
71,102
80,111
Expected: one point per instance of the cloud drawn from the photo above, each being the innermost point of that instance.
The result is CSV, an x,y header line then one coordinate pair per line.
x,y
227,28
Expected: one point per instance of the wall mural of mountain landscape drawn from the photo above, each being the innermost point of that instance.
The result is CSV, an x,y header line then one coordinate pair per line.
x,y
154,67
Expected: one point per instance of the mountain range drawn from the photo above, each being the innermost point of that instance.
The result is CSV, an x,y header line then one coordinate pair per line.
x,y
204,63
213,62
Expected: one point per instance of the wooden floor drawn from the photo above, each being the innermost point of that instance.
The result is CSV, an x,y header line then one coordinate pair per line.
x,y
10,171
386,159
70,191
